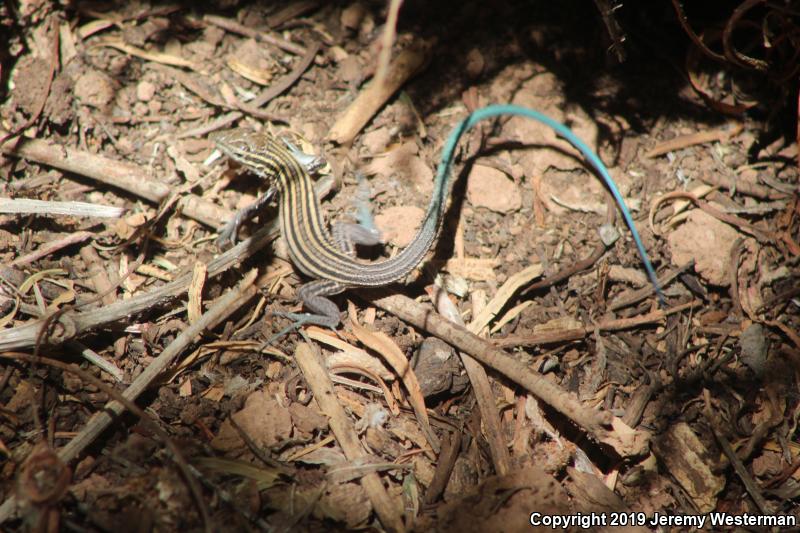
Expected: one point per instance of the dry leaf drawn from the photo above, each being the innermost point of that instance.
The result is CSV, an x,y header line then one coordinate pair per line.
x,y
385,346
509,288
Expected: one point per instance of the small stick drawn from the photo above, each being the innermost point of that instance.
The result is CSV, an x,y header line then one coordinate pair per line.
x,y
287,81
29,206
343,429
72,323
597,423
223,307
583,264
740,186
700,137
220,122
51,247
119,174
234,27
98,274
632,297
292,10
747,480
451,445
407,64
615,31
277,88
387,40
10,504
484,394
97,360
253,107
574,334
698,42
731,220
733,277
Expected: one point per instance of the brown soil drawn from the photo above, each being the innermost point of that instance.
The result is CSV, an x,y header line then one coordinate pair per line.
x,y
587,396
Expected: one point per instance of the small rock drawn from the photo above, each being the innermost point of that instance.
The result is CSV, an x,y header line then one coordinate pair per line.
x,y
753,343
140,109
307,419
350,69
200,51
264,430
706,240
28,82
252,59
352,15
490,188
213,35
60,110
94,88
475,63
399,224
338,53
376,140
403,162
437,368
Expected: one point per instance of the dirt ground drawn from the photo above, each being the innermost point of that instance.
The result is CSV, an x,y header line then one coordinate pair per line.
x,y
525,373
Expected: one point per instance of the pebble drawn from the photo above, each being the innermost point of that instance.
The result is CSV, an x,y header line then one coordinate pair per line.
x,y
145,91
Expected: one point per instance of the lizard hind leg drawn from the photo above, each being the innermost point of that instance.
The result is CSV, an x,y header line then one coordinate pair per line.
x,y
315,297
324,312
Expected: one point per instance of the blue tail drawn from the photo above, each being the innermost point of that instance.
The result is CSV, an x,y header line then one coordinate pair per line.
x,y
509,109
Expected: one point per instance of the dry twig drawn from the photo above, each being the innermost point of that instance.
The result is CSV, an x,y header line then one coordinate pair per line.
x,y
407,64
600,424
345,433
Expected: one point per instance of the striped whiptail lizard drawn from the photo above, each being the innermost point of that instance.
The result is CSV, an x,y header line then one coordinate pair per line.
x,y
328,257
